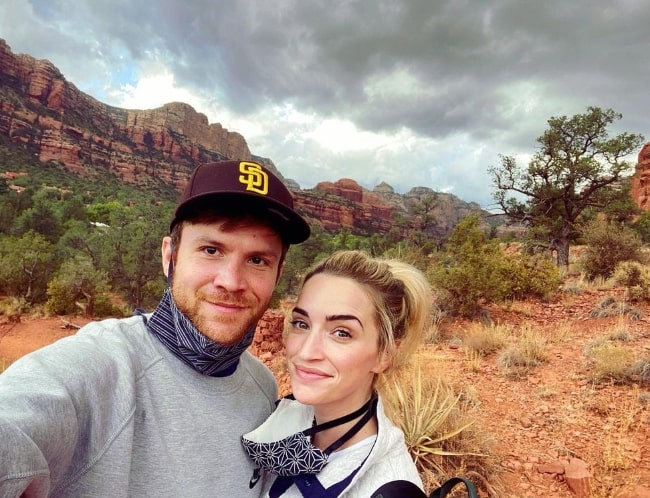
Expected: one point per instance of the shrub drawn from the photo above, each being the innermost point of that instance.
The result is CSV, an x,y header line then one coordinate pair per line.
x,y
640,371
642,226
13,308
635,277
608,244
474,270
608,306
531,275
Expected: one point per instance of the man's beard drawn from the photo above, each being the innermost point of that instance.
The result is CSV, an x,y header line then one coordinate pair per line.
x,y
219,327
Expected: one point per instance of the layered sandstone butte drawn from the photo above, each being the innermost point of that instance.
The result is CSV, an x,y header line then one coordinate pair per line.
x,y
640,182
346,204
41,109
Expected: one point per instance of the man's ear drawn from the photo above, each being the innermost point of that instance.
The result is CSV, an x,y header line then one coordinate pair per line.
x,y
166,251
280,270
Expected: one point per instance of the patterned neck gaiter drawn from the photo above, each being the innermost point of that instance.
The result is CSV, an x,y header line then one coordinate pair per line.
x,y
176,332
289,455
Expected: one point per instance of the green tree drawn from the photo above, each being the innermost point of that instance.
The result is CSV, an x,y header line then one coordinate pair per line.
x,y
127,247
423,221
642,226
142,279
73,208
4,186
79,286
576,160
26,265
299,258
12,204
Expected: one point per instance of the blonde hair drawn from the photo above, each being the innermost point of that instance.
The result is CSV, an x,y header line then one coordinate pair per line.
x,y
401,296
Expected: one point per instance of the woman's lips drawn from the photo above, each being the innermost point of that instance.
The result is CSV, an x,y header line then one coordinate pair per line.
x,y
307,373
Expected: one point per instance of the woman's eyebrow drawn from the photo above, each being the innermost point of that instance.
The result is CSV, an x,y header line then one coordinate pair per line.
x,y
329,318
300,311
333,318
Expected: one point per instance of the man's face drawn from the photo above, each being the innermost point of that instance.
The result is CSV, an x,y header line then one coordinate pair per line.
x,y
223,278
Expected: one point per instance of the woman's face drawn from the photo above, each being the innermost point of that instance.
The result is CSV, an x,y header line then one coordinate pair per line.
x,y
332,346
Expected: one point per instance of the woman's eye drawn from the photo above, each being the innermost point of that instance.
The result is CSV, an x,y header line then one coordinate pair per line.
x,y
298,324
342,333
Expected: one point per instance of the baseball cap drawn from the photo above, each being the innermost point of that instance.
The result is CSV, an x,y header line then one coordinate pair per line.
x,y
246,184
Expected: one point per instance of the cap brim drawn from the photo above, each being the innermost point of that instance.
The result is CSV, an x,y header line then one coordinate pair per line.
x,y
291,226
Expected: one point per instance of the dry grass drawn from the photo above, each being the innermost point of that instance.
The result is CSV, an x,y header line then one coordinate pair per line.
x,y
640,372
474,361
527,351
521,307
433,335
545,391
561,333
483,340
611,363
621,331
609,306
619,448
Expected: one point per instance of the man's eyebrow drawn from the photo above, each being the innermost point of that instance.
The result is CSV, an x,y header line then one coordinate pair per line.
x,y
216,242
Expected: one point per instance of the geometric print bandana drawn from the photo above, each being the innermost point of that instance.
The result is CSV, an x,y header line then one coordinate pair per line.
x,y
282,454
291,456
174,330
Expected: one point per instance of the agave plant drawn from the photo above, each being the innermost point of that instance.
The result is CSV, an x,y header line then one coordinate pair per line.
x,y
428,413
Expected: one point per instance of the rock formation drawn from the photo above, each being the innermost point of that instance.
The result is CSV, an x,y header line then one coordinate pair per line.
x,y
41,111
640,182
346,204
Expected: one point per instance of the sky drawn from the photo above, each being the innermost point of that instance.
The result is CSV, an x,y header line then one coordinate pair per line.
x,y
414,93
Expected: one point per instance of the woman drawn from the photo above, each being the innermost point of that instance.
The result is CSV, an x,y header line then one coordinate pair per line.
x,y
356,320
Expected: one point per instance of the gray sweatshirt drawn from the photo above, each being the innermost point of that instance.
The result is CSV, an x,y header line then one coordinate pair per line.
x,y
110,412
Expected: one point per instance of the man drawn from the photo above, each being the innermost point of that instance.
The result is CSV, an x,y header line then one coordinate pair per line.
x,y
154,405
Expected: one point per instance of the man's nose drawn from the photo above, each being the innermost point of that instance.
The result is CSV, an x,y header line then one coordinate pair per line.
x,y
230,275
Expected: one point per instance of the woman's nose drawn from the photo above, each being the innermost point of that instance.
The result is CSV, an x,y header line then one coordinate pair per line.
x,y
312,345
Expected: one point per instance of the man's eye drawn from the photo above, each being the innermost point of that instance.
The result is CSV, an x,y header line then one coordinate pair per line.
x,y
210,250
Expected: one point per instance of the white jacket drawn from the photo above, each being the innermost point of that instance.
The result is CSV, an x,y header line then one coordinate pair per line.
x,y
389,458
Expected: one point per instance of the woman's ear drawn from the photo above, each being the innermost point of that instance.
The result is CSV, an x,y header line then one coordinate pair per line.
x,y
385,360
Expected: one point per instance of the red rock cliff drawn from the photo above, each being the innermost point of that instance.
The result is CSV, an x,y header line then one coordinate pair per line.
x,y
40,108
640,182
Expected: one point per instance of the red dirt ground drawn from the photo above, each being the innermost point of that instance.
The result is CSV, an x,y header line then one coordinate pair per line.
x,y
554,411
